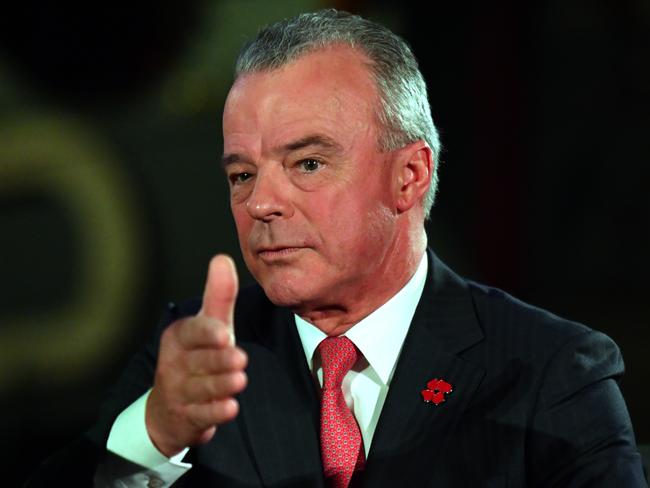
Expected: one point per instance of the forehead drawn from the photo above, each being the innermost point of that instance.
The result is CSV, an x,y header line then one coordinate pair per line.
x,y
329,91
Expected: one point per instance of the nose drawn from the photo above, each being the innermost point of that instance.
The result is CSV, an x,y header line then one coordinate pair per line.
x,y
269,199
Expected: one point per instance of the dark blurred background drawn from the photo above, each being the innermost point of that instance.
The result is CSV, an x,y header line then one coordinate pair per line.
x,y
112,199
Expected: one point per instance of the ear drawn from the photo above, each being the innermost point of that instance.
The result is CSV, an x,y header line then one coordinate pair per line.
x,y
414,166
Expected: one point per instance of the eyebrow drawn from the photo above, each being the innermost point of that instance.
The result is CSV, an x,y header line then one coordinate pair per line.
x,y
307,141
233,158
313,140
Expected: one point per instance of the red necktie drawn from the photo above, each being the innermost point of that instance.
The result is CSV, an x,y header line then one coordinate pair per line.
x,y
340,438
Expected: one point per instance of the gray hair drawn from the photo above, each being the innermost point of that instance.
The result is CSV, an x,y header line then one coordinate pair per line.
x,y
404,113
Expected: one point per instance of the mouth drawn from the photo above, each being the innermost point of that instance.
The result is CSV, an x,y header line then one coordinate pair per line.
x,y
277,253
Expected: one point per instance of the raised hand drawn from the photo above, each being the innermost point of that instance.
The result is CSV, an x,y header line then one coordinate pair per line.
x,y
199,369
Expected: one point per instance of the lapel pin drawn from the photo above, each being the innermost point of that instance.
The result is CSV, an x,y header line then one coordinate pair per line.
x,y
435,391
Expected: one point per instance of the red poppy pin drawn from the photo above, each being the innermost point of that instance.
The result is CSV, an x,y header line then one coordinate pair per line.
x,y
435,391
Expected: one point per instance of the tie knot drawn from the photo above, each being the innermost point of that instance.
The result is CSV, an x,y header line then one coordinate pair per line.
x,y
338,355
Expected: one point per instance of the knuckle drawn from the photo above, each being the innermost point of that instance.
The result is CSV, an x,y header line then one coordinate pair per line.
x,y
180,332
169,333
194,362
212,387
217,361
224,359
191,390
208,330
196,419
219,334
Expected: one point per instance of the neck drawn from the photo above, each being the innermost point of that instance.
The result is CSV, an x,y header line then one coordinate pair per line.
x,y
401,264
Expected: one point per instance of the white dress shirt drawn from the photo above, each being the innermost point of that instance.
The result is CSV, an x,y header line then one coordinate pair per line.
x,y
379,337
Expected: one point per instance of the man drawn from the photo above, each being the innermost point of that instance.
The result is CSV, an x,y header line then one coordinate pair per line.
x,y
361,359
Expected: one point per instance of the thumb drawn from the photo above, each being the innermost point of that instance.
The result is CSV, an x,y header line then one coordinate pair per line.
x,y
220,290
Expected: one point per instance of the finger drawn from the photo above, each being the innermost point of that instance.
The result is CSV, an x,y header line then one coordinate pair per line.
x,y
201,389
197,332
209,361
220,290
205,415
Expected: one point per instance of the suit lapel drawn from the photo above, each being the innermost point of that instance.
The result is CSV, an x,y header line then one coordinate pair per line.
x,y
410,432
280,406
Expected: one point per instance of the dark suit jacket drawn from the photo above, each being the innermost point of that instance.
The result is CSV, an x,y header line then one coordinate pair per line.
x,y
535,401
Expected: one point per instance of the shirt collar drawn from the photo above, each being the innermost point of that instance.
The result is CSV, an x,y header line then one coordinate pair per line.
x,y
380,335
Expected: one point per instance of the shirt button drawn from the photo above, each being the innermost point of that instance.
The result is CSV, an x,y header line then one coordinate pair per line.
x,y
155,482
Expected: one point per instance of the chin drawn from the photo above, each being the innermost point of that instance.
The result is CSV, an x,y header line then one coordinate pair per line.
x,y
287,290
284,296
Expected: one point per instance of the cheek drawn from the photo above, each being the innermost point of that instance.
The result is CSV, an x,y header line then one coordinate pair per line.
x,y
243,223
355,225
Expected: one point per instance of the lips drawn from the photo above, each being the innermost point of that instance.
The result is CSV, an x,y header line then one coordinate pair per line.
x,y
277,252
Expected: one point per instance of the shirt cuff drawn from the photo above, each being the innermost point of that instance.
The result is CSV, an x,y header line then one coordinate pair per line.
x,y
130,440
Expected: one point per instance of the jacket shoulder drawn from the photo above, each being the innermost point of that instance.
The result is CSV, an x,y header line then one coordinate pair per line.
x,y
516,327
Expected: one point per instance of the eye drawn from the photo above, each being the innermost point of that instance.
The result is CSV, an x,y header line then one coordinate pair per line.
x,y
237,178
310,165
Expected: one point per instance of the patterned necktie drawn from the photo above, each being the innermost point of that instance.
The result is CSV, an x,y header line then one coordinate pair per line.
x,y
340,438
